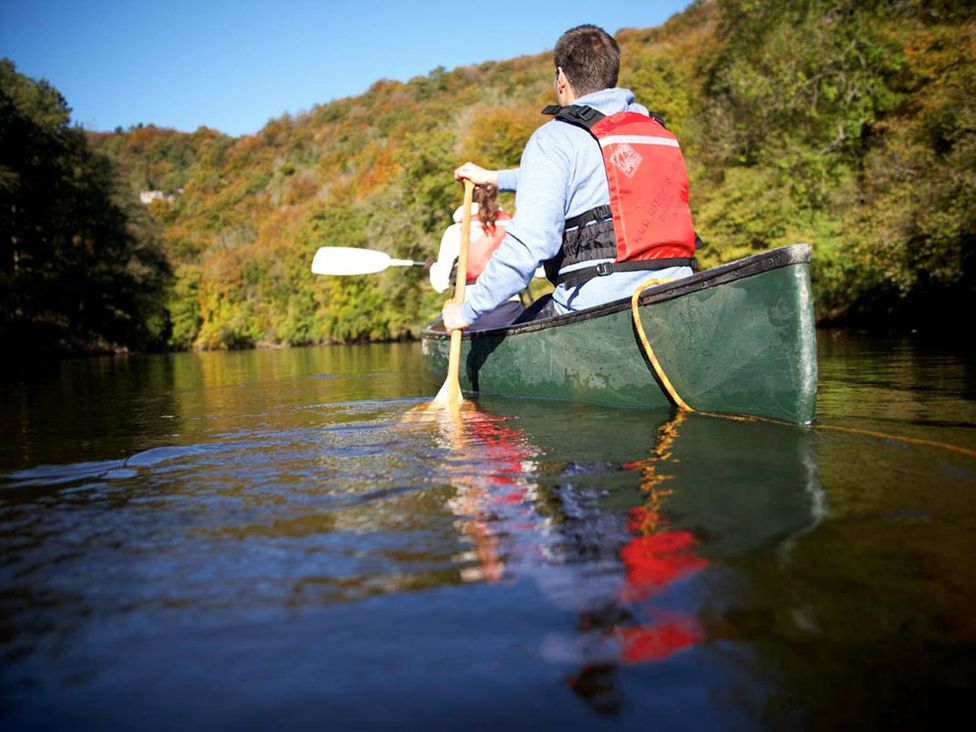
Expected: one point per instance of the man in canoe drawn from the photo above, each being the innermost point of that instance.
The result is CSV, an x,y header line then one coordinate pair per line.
x,y
602,195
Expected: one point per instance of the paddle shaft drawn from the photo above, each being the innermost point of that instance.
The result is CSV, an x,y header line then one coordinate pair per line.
x,y
406,263
453,382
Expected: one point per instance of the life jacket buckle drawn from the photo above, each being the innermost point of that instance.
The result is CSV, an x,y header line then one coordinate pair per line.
x,y
589,115
604,268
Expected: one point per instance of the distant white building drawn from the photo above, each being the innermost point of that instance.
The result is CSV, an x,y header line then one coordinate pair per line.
x,y
147,197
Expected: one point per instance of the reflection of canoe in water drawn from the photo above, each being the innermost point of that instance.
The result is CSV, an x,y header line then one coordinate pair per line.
x,y
637,524
736,486
738,338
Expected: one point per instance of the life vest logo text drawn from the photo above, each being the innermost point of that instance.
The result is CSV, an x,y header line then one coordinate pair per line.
x,y
626,159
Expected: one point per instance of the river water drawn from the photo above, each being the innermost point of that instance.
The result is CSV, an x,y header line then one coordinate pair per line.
x,y
278,538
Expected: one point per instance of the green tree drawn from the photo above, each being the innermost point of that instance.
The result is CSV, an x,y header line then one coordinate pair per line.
x,y
80,262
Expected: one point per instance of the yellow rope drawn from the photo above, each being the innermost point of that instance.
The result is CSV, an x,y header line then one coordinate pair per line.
x,y
913,440
685,407
655,364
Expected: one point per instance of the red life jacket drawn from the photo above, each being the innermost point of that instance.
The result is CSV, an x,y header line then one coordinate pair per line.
x,y
484,243
647,224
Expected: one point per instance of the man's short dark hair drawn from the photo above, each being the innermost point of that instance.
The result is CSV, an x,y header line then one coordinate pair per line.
x,y
589,57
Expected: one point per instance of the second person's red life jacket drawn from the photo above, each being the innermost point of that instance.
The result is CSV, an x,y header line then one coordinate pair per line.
x,y
484,243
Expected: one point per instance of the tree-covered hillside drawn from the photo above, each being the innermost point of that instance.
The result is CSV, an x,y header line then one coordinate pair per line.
x,y
81,266
848,125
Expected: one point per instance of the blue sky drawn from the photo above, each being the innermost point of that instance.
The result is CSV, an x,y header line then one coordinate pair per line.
x,y
234,65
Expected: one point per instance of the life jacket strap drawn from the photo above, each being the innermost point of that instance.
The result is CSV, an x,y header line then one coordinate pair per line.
x,y
585,116
578,114
602,269
594,214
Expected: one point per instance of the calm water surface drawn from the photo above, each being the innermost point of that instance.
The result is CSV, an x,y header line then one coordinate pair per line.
x,y
257,539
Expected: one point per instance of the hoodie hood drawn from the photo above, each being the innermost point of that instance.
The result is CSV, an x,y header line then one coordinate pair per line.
x,y
611,101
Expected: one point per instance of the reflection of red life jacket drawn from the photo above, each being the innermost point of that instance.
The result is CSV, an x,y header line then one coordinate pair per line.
x,y
653,562
647,224
484,243
667,636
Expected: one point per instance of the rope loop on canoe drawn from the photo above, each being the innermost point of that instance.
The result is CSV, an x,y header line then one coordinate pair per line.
x,y
659,370
651,356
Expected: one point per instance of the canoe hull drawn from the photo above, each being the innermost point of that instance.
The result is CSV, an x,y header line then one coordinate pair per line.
x,y
736,339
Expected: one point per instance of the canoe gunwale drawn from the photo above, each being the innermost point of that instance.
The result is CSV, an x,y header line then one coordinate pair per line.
x,y
713,277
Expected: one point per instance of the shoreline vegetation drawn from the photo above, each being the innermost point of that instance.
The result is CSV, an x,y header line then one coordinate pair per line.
x,y
847,125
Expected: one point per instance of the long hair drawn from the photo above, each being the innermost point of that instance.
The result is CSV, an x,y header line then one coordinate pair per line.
x,y
486,197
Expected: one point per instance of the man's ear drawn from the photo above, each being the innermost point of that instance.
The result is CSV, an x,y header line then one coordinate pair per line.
x,y
563,85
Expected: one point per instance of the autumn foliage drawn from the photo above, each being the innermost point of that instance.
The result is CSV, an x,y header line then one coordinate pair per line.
x,y
848,125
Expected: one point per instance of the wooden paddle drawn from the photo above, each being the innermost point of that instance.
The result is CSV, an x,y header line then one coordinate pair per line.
x,y
449,395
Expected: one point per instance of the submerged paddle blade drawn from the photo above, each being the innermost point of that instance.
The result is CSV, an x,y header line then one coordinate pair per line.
x,y
449,397
349,261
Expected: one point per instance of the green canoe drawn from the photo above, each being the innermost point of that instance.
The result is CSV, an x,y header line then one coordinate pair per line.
x,y
736,339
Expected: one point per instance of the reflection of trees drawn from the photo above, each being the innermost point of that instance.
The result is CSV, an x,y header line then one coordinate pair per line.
x,y
94,409
867,621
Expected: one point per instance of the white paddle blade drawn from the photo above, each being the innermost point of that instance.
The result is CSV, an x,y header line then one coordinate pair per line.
x,y
349,261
